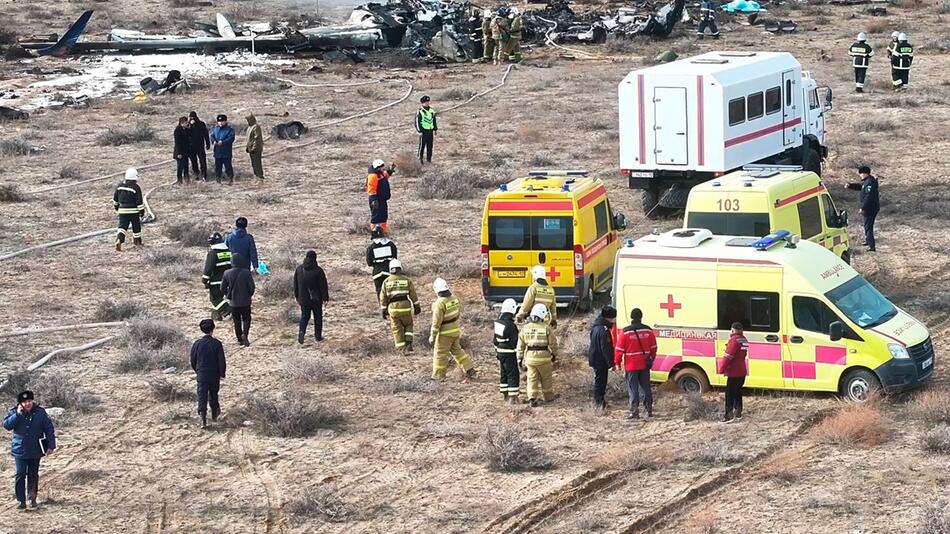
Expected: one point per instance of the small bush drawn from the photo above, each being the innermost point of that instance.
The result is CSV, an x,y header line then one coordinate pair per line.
x,y
305,367
339,139
458,93
932,406
877,26
278,286
871,124
122,72
411,384
165,390
15,147
937,439
857,425
814,502
117,136
152,344
7,36
190,233
82,476
16,381
289,415
59,389
503,448
331,112
368,91
718,453
700,409
935,517
785,467
266,199
162,257
901,102
451,185
11,193
289,314
542,160
407,164
320,501
529,133
69,173
357,225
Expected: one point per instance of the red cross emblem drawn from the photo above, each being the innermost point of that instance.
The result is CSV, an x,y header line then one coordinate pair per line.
x,y
552,275
670,306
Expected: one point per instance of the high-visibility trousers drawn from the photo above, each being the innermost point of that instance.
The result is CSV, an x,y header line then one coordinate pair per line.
x,y
540,380
445,345
489,48
401,325
219,303
514,49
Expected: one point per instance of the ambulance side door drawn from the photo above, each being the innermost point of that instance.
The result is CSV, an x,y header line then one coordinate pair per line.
x,y
811,360
836,233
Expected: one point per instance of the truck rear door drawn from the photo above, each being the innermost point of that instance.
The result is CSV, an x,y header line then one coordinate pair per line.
x,y
509,250
789,107
670,132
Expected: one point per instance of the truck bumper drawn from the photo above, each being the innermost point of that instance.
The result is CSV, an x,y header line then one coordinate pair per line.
x,y
902,375
666,179
564,296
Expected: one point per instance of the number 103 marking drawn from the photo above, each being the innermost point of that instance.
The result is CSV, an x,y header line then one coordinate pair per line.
x,y
728,204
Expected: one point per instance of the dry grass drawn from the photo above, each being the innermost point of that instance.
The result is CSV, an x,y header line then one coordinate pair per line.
x,y
407,164
266,199
82,476
504,448
700,409
457,183
871,124
875,26
542,160
152,344
716,453
190,233
117,136
11,193
458,93
935,517
166,390
165,256
937,439
16,381
932,406
15,147
69,173
702,521
645,459
785,467
529,133
854,425
278,286
320,502
305,367
291,414
60,389
411,384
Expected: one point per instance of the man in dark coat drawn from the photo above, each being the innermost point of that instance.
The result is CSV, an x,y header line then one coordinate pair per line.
x,y
240,241
600,353
238,286
182,149
207,360
33,438
311,293
870,201
200,144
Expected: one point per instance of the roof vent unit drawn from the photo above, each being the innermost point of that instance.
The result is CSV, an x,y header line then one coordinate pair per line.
x,y
709,61
737,54
685,238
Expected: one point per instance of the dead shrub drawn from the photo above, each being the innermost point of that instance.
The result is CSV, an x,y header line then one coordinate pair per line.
x,y
357,225
152,344
529,133
339,139
718,453
407,164
266,199
331,112
305,367
320,501
15,147
165,256
504,448
411,384
932,406
118,136
70,173
450,185
814,502
368,92
289,314
59,389
289,414
700,409
190,233
7,36
702,521
165,390
937,439
648,459
284,259
82,476
855,425
278,286
498,159
11,193
542,160
901,102
458,93
870,124
935,517
874,26
16,381
784,467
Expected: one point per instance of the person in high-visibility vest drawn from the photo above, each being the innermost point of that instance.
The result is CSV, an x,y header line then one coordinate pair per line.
x,y
446,333
217,262
861,53
398,303
902,56
537,351
539,292
426,126
506,350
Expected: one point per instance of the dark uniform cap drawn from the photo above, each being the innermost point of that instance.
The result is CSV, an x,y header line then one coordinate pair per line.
x,y
864,169
609,312
424,99
222,117
24,396
206,326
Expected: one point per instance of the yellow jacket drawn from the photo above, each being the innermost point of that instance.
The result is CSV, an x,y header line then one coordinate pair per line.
x,y
446,313
539,294
398,295
536,344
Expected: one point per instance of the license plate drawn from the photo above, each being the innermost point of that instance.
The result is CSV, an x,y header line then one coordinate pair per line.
x,y
640,174
509,273
927,363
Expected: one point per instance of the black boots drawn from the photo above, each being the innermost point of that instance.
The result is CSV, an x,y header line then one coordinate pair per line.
x,y
204,421
300,336
137,241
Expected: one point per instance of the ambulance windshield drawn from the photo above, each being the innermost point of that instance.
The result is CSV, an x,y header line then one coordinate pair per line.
x,y
745,224
861,302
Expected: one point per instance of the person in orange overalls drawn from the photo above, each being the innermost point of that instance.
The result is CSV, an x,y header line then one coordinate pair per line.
x,y
377,188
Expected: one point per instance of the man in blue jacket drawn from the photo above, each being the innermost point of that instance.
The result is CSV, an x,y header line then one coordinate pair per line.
x,y
239,241
222,137
600,353
207,360
33,438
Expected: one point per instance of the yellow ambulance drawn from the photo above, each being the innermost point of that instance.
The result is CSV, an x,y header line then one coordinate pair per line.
x,y
755,201
561,220
813,323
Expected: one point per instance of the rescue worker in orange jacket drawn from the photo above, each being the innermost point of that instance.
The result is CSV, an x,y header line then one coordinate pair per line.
x,y
635,351
377,189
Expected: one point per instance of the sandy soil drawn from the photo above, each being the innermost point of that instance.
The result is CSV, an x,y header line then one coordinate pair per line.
x,y
406,462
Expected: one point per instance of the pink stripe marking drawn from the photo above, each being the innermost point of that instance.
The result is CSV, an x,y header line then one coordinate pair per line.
x,y
765,351
763,132
692,347
832,355
885,334
798,370
699,113
665,363
643,120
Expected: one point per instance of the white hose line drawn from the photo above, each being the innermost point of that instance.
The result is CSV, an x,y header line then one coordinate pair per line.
x,y
46,330
69,350
96,179
504,79
547,37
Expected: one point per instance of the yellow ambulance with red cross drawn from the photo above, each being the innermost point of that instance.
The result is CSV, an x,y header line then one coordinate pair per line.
x,y
560,220
813,323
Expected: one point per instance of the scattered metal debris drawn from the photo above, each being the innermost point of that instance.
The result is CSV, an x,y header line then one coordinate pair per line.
x,y
289,130
10,114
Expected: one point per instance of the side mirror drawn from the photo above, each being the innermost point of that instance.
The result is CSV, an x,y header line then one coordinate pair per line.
x,y
829,104
843,218
836,330
620,221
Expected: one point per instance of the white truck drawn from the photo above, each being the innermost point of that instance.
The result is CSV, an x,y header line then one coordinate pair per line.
x,y
691,120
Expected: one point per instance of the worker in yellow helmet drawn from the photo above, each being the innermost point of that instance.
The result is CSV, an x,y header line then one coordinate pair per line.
x,y
537,350
398,303
446,332
539,292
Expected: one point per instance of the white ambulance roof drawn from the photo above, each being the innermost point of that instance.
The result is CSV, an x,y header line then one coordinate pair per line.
x,y
726,67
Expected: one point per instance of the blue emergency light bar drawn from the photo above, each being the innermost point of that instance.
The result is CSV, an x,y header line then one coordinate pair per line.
x,y
543,174
770,240
503,187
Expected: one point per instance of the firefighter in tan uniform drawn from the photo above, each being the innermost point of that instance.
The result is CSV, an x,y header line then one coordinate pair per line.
x,y
539,292
446,333
537,350
499,33
398,303
488,39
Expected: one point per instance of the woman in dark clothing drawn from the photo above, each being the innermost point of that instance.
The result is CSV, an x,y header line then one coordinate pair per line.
x,y
182,149
311,292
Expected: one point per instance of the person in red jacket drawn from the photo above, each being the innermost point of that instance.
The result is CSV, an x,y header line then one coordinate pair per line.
x,y
635,350
735,369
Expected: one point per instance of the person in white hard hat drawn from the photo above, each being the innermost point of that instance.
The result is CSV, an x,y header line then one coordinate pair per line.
x,y
446,332
130,205
506,350
893,44
539,292
489,41
537,352
901,58
398,303
861,53
377,189
514,42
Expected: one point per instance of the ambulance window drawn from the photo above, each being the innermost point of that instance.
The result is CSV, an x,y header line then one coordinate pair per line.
x,y
736,111
809,216
813,99
600,217
509,233
744,224
755,106
757,311
552,233
831,215
773,100
814,315
788,92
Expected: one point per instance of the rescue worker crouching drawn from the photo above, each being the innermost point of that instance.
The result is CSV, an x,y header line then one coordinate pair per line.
x,y
506,349
537,352
377,189
130,205
398,303
539,292
861,53
217,262
446,333
379,253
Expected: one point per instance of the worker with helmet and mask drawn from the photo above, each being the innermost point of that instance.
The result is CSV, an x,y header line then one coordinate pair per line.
x,y
506,350
377,189
446,333
489,41
130,205
537,352
217,262
515,25
499,32
901,58
379,253
861,53
539,292
398,303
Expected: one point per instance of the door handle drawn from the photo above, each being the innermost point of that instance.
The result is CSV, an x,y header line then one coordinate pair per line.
x,y
797,339
542,257
771,338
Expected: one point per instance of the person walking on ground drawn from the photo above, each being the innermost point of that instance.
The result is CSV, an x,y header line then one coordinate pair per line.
x,y
311,293
514,40
870,202
377,189
506,350
130,205
222,137
861,53
488,53
238,287
217,262
33,438
446,333
733,366
901,58
636,349
426,126
707,19
600,353
398,303
255,146
537,352
182,149
200,144
240,241
209,364
539,292
379,253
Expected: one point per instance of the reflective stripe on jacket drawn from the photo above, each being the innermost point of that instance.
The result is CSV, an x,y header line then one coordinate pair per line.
x,y
397,295
127,198
445,316
635,345
425,120
217,262
539,294
536,344
506,335
861,54
902,56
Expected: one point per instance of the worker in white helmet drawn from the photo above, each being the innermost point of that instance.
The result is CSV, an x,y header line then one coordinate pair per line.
x,y
398,303
893,44
516,24
901,58
488,42
377,189
446,333
861,53
506,350
130,205
537,351
539,292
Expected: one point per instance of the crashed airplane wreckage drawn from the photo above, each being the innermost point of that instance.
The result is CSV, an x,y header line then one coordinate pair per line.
x,y
432,29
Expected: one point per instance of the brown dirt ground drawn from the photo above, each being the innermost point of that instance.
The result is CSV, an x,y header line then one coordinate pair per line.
x,y
406,461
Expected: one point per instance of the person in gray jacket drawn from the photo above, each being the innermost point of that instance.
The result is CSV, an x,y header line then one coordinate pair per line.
x,y
238,285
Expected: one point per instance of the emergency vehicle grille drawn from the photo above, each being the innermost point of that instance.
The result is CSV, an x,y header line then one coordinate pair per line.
x,y
921,353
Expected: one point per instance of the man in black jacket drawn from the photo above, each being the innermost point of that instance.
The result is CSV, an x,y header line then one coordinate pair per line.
x,y
200,143
238,286
311,293
378,255
129,203
600,354
870,203
182,149
207,360
506,350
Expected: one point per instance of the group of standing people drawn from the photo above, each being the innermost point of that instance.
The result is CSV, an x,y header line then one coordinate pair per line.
x,y
501,33
900,53
192,140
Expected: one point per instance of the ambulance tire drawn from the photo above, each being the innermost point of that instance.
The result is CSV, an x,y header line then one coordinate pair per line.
x,y
691,380
585,303
812,161
859,385
846,257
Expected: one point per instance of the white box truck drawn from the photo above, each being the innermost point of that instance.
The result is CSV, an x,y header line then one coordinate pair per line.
x,y
691,120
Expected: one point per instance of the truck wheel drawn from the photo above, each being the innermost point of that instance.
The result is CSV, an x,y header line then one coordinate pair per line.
x,y
846,257
812,161
649,199
585,303
692,380
674,198
859,385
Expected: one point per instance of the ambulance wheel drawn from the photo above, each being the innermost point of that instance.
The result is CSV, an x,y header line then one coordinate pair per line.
x,y
692,381
846,257
860,385
585,303
812,161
